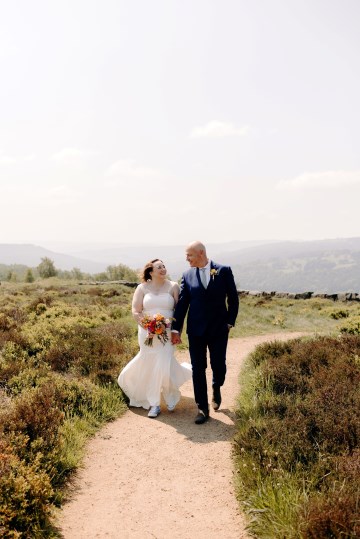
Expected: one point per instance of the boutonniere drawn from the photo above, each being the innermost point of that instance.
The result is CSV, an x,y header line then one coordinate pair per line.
x,y
213,273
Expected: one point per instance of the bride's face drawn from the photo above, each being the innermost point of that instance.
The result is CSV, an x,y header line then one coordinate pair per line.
x,y
159,270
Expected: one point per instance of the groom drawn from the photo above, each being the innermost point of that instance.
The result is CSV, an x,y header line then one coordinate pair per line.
x,y
209,293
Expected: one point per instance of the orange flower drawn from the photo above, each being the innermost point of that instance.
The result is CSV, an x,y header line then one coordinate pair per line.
x,y
156,325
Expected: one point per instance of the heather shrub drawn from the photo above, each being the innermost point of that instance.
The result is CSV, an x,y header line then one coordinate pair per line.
x,y
44,300
118,312
267,350
334,510
61,350
16,314
110,293
28,377
78,397
46,427
25,491
35,414
6,323
13,334
95,291
299,427
336,315
94,352
85,341
352,326
334,515
12,358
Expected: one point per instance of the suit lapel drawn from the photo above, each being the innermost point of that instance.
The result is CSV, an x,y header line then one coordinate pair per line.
x,y
212,277
211,282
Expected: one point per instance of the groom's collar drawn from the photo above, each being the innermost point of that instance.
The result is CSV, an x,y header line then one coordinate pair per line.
x,y
207,266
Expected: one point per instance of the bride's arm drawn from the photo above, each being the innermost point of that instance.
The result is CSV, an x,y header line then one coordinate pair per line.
x,y
175,335
137,303
175,292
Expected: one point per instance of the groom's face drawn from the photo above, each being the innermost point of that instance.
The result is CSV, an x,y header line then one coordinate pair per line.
x,y
193,256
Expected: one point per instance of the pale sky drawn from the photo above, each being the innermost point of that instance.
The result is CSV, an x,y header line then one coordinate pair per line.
x,y
165,121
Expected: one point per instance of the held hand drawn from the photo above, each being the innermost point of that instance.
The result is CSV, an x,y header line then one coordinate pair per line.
x,y
175,338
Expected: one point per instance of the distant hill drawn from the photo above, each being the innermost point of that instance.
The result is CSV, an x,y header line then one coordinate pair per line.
x,y
31,255
329,266
290,249
136,256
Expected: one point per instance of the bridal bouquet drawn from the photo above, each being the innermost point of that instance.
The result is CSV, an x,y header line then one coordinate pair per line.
x,y
156,326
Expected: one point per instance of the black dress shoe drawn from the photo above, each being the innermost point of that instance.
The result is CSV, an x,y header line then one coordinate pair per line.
x,y
216,400
201,417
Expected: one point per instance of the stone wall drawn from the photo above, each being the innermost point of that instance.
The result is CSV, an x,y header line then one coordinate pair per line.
x,y
341,296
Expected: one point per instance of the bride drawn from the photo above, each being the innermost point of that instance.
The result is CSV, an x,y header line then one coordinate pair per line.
x,y
154,370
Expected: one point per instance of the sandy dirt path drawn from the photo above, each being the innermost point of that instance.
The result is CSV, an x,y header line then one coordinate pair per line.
x,y
165,477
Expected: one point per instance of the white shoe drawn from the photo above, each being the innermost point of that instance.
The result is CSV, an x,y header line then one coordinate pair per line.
x,y
154,411
171,407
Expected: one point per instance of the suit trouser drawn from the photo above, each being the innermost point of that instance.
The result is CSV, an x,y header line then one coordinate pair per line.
x,y
198,345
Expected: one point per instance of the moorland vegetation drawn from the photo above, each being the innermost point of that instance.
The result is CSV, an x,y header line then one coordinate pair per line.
x,y
62,345
297,447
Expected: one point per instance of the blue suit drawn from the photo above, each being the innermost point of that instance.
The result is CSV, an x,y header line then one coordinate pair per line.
x,y
210,310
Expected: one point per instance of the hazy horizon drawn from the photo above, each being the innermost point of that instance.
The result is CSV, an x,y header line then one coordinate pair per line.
x,y
323,266
167,121
76,247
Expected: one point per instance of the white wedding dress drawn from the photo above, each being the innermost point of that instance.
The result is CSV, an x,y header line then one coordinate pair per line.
x,y
154,370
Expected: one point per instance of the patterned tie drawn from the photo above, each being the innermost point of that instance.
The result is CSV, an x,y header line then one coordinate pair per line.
x,y
203,277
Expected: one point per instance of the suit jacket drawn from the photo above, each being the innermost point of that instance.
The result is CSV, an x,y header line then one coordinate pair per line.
x,y
211,308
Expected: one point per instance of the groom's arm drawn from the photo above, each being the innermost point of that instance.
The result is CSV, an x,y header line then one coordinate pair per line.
x,y
181,307
232,298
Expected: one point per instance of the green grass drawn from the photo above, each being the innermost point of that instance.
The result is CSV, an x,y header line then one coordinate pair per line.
x,y
259,316
297,446
273,508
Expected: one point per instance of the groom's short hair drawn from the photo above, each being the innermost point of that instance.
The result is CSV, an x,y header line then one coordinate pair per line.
x,y
197,246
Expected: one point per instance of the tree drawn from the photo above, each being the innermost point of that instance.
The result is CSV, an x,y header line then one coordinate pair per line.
x,y
29,277
77,273
46,268
121,272
11,276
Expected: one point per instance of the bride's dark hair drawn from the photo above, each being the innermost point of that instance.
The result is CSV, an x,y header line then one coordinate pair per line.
x,y
148,268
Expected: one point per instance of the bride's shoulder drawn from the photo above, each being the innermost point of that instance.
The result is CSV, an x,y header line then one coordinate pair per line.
x,y
141,288
173,286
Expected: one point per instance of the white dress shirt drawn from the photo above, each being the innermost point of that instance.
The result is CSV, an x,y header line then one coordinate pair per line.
x,y
206,270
